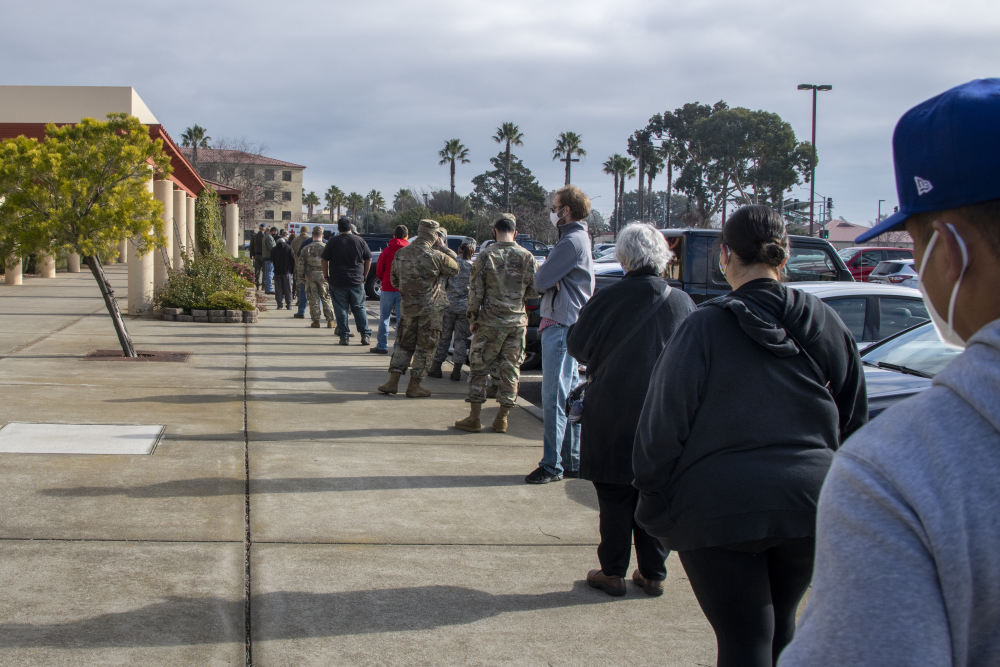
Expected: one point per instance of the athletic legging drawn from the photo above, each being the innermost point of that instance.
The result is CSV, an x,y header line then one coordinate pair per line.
x,y
751,598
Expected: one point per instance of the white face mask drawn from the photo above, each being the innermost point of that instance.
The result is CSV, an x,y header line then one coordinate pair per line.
x,y
554,218
945,327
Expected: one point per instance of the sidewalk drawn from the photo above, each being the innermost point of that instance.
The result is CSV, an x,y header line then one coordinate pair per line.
x,y
378,535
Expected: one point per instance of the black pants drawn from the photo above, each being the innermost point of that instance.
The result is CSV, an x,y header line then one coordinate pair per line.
x,y
283,289
618,529
258,268
751,598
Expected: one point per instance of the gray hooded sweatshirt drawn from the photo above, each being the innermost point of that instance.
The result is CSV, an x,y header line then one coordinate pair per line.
x,y
908,534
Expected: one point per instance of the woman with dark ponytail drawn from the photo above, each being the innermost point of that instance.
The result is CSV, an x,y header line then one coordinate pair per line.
x,y
746,406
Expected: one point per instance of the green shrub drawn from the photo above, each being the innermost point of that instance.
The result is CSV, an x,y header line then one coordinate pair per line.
x,y
208,223
228,301
201,278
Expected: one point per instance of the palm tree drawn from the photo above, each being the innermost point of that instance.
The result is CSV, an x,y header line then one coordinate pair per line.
x,y
334,199
653,166
626,170
509,135
611,167
568,145
194,138
310,201
453,150
377,202
355,203
668,149
401,198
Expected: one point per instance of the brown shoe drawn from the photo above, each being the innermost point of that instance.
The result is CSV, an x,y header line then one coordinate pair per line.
x,y
614,586
392,385
414,390
652,587
500,421
315,324
471,423
330,325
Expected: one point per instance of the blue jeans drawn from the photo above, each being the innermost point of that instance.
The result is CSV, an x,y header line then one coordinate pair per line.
x,y
268,276
561,445
387,301
303,302
352,299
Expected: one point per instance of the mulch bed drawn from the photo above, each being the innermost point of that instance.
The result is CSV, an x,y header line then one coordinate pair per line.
x,y
144,355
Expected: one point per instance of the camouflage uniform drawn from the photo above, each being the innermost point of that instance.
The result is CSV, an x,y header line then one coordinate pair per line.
x,y
420,271
501,280
455,319
309,269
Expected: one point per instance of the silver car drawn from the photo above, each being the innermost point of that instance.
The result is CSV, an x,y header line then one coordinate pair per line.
x,y
895,272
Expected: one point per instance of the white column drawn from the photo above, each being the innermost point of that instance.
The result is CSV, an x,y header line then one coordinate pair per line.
x,y
12,271
180,225
164,192
123,252
233,229
140,276
72,262
192,243
47,265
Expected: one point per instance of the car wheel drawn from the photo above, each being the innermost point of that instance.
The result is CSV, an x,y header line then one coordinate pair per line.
x,y
532,360
373,289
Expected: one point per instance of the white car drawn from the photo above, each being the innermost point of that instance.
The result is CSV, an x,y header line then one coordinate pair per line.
x,y
895,272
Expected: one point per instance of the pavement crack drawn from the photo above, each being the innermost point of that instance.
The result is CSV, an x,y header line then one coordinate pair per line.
x,y
246,490
544,533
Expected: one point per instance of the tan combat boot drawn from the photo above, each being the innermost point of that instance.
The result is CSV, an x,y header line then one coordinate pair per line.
x,y
500,421
315,324
392,386
471,423
414,390
330,324
435,371
456,372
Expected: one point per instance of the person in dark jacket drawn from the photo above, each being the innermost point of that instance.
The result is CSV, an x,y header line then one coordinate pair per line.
x,y
283,260
615,396
257,253
746,407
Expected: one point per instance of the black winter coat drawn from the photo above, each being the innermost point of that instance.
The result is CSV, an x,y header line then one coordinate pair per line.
x,y
283,259
615,398
739,426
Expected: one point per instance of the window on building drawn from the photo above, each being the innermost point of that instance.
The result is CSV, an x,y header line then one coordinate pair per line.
x,y
269,174
286,196
269,215
286,215
268,195
286,175
248,173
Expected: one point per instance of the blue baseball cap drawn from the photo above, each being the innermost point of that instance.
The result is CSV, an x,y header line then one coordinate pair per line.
x,y
946,153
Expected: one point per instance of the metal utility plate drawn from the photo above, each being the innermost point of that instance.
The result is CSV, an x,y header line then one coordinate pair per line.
x,y
25,438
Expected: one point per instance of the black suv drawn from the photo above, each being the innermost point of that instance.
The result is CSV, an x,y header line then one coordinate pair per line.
x,y
695,269
376,243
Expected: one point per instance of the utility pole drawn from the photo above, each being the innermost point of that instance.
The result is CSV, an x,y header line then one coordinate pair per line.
x,y
812,167
878,217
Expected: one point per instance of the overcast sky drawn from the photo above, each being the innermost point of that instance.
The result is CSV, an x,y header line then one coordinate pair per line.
x,y
365,93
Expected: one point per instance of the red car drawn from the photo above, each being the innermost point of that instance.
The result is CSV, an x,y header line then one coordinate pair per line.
x,y
861,261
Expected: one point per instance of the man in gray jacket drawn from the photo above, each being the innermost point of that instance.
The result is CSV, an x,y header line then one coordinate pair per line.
x,y
566,282
907,568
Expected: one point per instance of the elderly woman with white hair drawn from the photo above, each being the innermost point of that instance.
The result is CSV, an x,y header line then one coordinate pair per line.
x,y
620,334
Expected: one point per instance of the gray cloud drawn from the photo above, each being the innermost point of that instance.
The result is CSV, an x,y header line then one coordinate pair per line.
x,y
365,94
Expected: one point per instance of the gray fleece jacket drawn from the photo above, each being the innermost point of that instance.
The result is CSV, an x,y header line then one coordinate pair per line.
x,y
570,264
908,534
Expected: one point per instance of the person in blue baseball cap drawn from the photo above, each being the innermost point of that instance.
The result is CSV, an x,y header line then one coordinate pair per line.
x,y
907,568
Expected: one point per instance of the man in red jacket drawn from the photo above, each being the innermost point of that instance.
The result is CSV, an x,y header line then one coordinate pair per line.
x,y
390,295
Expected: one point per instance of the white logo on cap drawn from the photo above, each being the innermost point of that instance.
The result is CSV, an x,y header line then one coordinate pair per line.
x,y
923,185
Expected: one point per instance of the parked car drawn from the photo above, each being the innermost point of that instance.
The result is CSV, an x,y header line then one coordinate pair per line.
x,y
872,312
895,272
606,255
536,248
903,365
376,243
862,261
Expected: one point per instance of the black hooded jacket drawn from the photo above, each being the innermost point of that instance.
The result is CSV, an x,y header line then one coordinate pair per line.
x,y
739,426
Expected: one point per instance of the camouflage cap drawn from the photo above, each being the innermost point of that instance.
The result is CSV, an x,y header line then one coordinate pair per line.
x,y
428,230
430,224
318,229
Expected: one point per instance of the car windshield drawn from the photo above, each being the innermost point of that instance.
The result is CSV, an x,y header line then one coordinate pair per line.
x,y
377,245
808,264
918,349
606,255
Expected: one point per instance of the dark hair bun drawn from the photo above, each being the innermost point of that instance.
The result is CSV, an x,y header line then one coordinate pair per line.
x,y
757,235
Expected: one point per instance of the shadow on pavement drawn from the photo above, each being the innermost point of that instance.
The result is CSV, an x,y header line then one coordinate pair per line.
x,y
178,621
232,486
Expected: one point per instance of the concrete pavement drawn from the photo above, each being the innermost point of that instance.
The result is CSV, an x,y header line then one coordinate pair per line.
x,y
378,534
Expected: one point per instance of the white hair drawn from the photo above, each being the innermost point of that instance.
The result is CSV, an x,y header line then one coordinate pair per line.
x,y
642,245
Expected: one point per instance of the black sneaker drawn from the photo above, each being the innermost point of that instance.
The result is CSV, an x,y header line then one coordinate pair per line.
x,y
573,474
299,317
542,476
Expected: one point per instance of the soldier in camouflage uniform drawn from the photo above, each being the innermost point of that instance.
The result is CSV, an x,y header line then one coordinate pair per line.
x,y
501,279
309,270
420,271
455,320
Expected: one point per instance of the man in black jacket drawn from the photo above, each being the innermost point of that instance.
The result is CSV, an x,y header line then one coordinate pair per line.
x,y
257,253
283,260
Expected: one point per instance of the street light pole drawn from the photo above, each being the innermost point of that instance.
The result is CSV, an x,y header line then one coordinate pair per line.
x,y
812,167
879,216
